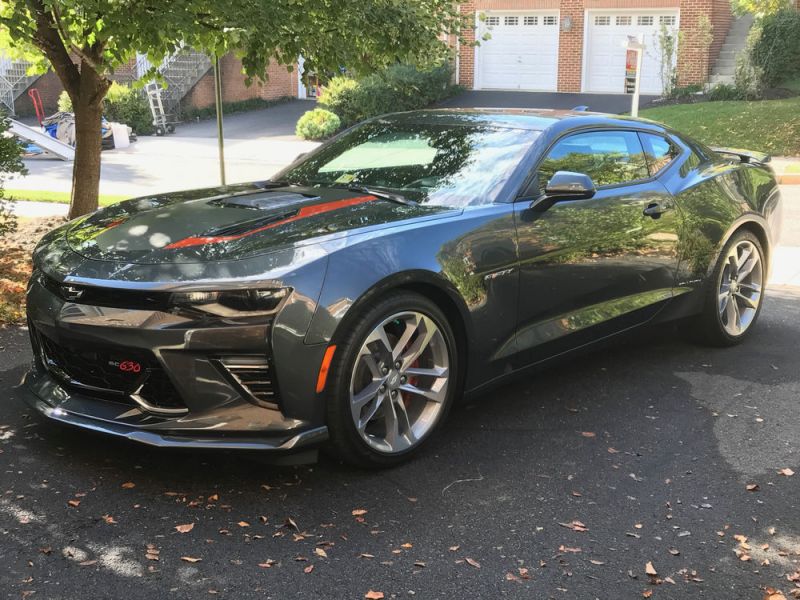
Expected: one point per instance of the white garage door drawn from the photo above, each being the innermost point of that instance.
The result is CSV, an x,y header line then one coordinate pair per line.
x,y
522,53
604,59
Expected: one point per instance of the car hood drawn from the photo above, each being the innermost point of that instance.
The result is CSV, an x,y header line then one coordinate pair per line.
x,y
228,223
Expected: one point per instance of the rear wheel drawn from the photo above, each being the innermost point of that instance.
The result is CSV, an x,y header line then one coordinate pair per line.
x,y
733,300
393,381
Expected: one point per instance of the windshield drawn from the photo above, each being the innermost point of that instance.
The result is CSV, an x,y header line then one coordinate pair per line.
x,y
443,165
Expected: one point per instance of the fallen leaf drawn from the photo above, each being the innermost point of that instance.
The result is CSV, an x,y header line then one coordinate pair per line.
x,y
365,555
267,564
308,569
184,528
650,569
372,595
109,519
289,522
771,530
638,526
588,434
358,512
576,494
613,451
320,552
128,485
88,563
523,572
566,549
596,562
190,559
575,526
647,593
787,472
419,563
454,548
243,524
674,551
406,545
752,487
773,594
74,503
473,563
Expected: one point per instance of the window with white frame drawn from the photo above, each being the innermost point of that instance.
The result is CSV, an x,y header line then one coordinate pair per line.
x,y
624,21
492,21
551,20
668,20
530,20
602,20
644,20
511,21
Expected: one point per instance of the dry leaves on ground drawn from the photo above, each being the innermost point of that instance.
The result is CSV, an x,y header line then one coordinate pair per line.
x,y
184,528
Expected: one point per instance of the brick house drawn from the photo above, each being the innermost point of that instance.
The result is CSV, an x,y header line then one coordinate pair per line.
x,y
576,45
199,91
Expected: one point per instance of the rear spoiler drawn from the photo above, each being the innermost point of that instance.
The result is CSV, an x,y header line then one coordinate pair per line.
x,y
745,156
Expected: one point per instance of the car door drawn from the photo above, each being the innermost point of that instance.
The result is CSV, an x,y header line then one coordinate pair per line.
x,y
592,267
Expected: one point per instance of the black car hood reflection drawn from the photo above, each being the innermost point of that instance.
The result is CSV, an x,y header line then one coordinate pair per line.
x,y
228,223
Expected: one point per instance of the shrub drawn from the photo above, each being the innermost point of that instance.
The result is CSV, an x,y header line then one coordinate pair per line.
x,y
338,96
775,46
317,124
748,78
122,104
398,88
723,91
10,163
685,92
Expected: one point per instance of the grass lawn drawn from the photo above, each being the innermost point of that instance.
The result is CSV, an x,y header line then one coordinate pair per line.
x,y
771,126
58,197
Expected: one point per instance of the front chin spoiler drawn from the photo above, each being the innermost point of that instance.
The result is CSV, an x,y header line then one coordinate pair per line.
x,y
302,440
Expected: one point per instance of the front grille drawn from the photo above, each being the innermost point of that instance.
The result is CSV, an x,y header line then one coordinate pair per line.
x,y
253,376
109,372
108,297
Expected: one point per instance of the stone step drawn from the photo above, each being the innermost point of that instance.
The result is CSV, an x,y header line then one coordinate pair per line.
x,y
721,79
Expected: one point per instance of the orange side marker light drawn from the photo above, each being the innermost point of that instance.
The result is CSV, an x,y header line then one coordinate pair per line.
x,y
323,370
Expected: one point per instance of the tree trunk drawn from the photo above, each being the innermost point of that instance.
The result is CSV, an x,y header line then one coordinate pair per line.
x,y
88,108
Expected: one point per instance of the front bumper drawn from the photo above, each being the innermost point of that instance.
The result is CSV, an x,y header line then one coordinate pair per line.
x,y
197,383
287,442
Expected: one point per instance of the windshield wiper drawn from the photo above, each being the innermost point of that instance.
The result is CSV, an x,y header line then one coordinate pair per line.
x,y
391,197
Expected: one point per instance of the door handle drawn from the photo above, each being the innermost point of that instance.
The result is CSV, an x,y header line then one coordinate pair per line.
x,y
655,210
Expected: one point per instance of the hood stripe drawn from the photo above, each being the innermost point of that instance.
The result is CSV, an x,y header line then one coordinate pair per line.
x,y
305,212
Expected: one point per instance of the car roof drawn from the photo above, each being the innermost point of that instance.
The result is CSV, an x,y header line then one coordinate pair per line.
x,y
531,119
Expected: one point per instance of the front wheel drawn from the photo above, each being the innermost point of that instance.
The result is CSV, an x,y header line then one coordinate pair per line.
x,y
394,380
733,300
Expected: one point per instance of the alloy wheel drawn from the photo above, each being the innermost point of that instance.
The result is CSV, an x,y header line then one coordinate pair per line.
x,y
740,288
399,382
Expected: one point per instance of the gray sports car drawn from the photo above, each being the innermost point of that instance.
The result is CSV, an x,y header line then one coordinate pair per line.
x,y
410,260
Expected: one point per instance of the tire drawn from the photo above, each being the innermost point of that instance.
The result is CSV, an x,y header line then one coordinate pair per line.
x,y
170,128
712,326
159,131
362,431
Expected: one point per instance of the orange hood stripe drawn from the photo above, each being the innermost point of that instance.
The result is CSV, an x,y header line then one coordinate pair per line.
x,y
305,212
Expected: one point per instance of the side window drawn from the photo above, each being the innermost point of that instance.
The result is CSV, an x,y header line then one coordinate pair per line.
x,y
608,157
658,151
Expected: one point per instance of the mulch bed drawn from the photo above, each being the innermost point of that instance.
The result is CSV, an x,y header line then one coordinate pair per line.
x,y
15,265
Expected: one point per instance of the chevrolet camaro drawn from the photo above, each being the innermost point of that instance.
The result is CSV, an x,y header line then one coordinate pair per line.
x,y
415,258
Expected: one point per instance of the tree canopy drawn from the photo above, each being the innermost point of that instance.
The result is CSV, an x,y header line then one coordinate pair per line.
x,y
85,41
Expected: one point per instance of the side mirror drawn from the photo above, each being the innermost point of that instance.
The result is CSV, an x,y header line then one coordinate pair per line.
x,y
566,185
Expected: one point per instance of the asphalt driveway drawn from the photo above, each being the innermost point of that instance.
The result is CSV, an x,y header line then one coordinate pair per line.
x,y
607,103
563,485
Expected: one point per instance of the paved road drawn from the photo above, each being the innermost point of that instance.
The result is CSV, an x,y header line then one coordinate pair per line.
x,y
257,144
650,444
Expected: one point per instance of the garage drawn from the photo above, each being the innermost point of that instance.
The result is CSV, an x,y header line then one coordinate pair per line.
x,y
522,53
604,58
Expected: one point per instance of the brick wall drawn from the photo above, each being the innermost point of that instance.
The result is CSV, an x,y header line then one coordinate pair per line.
x,y
49,87
466,63
281,83
695,58
570,47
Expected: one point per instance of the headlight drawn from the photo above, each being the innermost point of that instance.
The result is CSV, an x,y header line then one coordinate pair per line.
x,y
232,303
